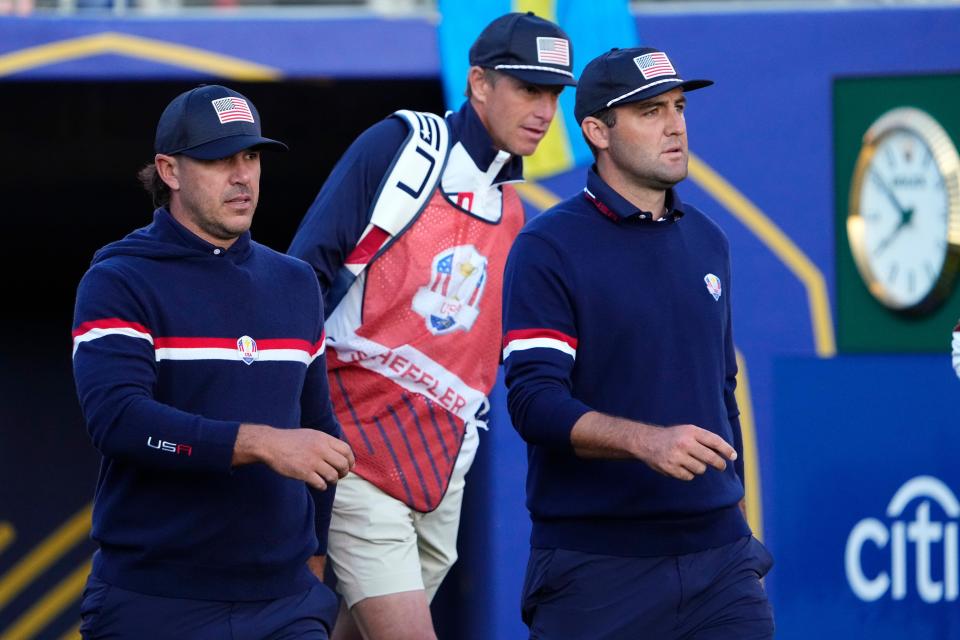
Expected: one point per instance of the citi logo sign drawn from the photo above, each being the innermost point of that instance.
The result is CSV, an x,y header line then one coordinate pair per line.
x,y
169,447
920,538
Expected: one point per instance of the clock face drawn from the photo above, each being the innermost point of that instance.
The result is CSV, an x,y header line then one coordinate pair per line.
x,y
903,202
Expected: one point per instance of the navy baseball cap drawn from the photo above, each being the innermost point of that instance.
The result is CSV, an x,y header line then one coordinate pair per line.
x,y
526,47
210,122
621,76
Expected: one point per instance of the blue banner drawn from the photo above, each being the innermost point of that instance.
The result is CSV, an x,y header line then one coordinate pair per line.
x,y
867,486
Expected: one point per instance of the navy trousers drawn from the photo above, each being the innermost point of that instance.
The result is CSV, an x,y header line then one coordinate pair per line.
x,y
710,595
109,612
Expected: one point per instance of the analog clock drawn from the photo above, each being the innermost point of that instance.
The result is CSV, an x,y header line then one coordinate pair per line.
x,y
904,218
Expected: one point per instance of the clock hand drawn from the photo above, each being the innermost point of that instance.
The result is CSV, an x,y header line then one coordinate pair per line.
x,y
887,191
905,217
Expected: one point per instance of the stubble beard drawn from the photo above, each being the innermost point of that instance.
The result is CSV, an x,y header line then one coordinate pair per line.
x,y
222,232
665,177
663,182
648,171
204,215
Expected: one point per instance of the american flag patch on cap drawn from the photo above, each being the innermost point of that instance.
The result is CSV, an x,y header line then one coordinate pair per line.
x,y
232,109
553,50
654,65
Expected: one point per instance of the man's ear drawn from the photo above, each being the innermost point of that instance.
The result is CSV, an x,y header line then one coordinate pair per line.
x,y
596,132
168,169
479,86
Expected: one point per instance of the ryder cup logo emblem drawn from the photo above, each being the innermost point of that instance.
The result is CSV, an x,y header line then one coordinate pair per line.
x,y
450,301
879,554
713,285
247,347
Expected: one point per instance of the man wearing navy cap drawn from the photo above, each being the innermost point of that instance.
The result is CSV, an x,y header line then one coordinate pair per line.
x,y
408,238
620,369
199,364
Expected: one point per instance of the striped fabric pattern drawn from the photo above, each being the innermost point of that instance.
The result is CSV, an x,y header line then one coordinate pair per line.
x,y
109,327
523,339
199,348
408,446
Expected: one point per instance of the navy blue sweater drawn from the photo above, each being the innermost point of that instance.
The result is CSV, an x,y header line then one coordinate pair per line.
x,y
605,310
165,378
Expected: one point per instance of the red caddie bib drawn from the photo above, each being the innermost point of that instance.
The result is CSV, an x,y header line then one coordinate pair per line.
x,y
425,354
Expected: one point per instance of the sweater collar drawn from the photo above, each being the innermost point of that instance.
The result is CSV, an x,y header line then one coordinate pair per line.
x,y
614,206
168,229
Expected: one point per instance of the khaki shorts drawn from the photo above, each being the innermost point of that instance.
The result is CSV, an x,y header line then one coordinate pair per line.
x,y
378,545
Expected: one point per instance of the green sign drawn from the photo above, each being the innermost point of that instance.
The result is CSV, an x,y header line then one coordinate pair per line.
x,y
864,324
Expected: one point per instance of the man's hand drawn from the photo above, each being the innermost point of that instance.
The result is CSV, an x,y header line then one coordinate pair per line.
x,y
682,451
317,564
315,457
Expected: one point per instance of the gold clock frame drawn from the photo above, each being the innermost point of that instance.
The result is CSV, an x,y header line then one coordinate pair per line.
x,y
947,159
